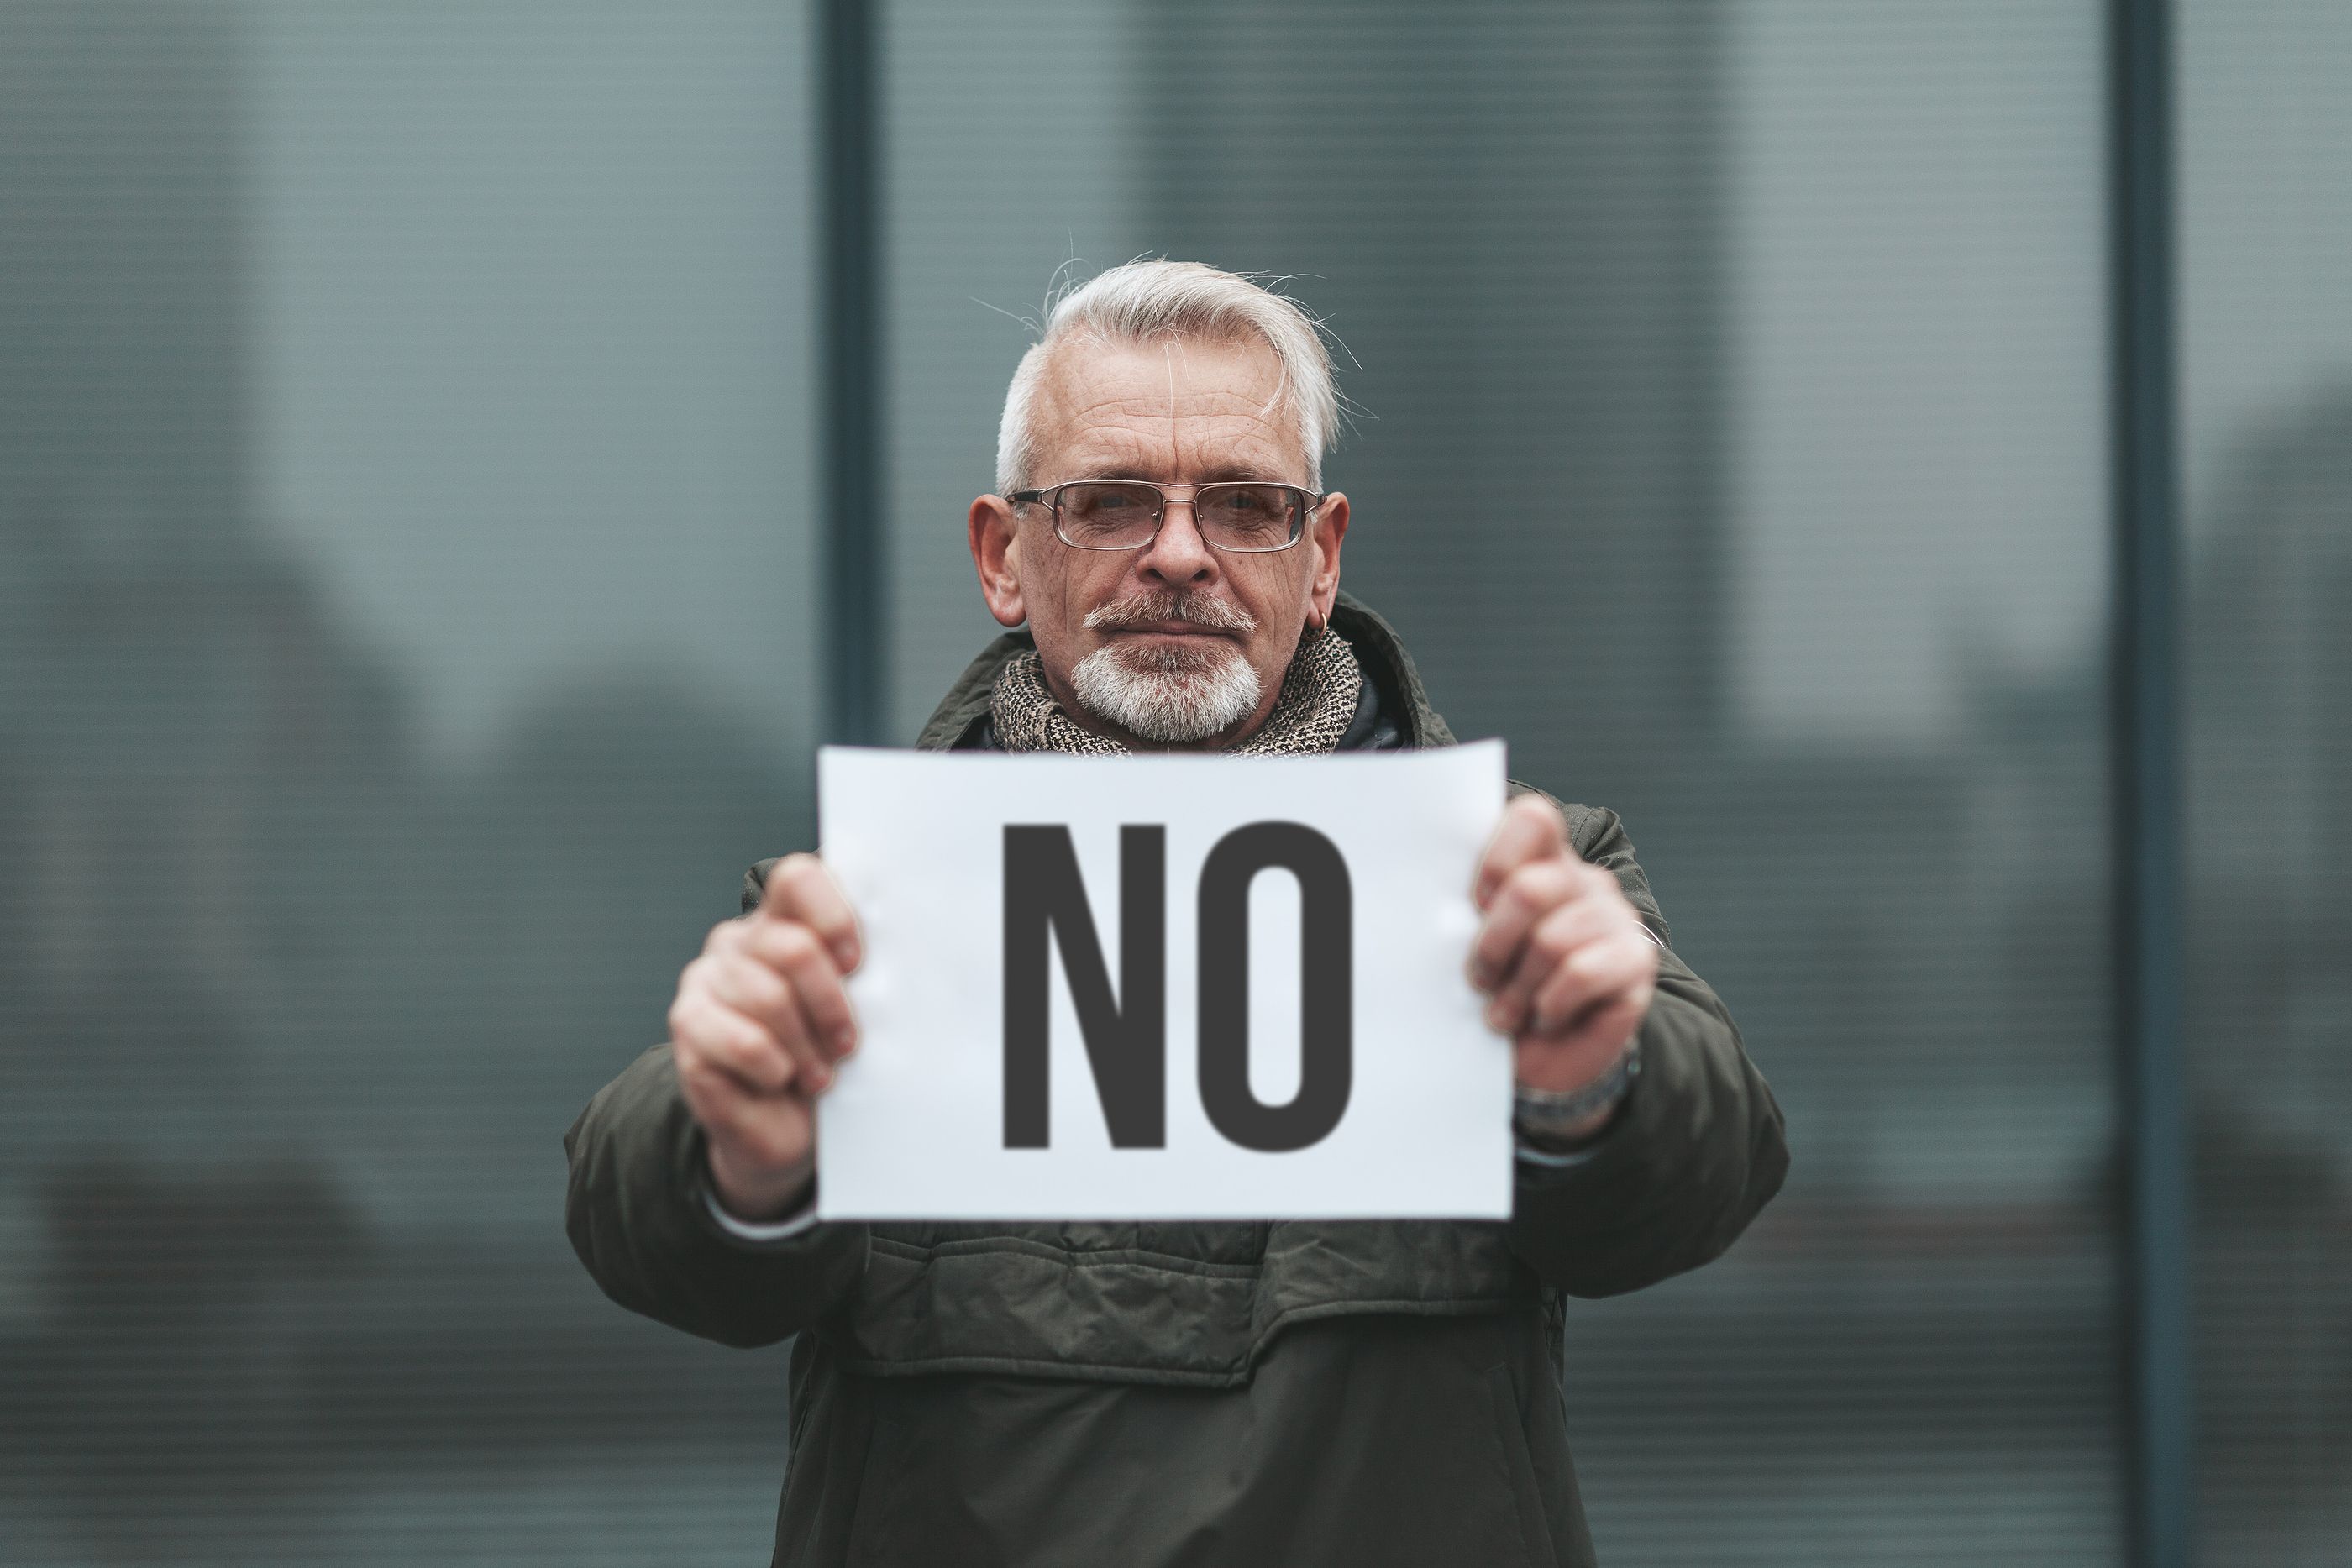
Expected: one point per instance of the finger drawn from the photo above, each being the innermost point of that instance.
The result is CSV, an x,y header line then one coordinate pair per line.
x,y
708,1036
742,980
1610,1026
774,1057
1558,935
813,1073
713,1096
1526,896
1597,975
799,956
767,1133
1531,829
800,888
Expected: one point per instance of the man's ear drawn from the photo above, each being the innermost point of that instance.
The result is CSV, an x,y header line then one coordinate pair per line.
x,y
996,556
1324,536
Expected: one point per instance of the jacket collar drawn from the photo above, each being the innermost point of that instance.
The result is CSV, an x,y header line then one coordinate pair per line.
x,y
956,721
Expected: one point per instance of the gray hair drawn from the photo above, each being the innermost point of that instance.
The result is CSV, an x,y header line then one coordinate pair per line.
x,y
1149,299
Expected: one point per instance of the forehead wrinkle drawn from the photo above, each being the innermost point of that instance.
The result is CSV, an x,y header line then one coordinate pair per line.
x,y
1176,427
1062,370
1111,420
1262,410
1151,406
1148,407
1101,450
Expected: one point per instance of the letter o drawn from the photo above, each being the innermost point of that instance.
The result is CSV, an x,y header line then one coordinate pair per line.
x,y
1326,988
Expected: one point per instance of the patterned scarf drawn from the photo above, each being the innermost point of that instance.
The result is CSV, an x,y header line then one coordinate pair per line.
x,y
1316,705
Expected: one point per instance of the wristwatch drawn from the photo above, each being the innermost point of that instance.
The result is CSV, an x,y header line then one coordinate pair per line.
x,y
1545,1116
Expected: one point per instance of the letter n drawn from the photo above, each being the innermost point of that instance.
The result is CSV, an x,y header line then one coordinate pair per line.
x,y
1127,1035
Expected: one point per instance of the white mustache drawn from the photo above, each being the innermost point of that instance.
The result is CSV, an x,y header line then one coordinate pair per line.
x,y
1198,609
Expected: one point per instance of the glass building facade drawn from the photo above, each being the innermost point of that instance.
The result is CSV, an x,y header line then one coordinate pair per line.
x,y
412,619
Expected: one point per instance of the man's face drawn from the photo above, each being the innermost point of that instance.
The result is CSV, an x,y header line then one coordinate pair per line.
x,y
1176,630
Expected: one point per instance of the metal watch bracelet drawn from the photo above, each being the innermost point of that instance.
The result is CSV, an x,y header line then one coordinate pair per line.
x,y
1547,1116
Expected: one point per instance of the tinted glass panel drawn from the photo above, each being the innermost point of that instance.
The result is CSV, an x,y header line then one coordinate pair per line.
x,y
1731,439
403,643
2266,321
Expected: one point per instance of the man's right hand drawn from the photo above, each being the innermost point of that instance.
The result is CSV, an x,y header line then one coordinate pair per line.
x,y
759,1020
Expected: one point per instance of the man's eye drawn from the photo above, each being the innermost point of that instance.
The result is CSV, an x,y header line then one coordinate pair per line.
x,y
1093,501
1089,504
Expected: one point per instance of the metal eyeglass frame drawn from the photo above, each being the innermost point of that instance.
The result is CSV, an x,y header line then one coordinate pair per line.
x,y
1310,503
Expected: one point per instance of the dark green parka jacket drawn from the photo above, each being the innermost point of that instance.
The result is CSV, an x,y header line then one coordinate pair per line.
x,y
1295,1393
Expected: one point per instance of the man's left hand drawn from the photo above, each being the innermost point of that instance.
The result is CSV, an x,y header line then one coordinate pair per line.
x,y
1562,955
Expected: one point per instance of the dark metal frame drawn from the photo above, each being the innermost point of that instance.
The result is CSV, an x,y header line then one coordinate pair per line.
x,y
851,532
2147,895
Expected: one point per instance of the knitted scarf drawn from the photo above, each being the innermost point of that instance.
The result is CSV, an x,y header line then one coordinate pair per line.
x,y
1316,705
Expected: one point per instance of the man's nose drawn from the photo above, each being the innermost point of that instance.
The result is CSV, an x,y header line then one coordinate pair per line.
x,y
1179,554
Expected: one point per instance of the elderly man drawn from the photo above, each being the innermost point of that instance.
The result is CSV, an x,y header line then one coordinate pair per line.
x,y
1286,1393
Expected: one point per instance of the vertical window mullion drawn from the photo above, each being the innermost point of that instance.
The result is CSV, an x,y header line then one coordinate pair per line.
x,y
2144,771
852,529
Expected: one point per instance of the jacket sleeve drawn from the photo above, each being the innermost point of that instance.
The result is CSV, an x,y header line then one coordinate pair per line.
x,y
1696,1148
637,1219
637,1216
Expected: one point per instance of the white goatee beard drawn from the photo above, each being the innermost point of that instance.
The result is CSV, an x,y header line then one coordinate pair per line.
x,y
1169,697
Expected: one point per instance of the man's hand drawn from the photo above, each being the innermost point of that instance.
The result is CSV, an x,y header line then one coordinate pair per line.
x,y
1566,960
760,1019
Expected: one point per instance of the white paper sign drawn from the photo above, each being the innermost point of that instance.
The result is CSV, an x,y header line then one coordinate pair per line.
x,y
1164,988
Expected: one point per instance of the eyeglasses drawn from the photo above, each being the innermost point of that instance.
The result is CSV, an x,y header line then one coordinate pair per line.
x,y
1125,514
